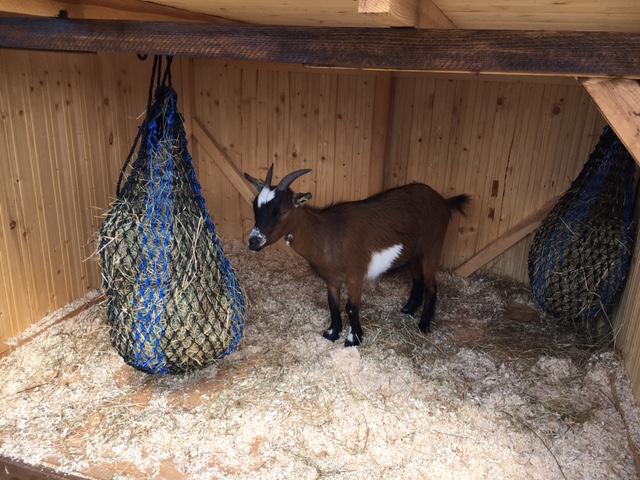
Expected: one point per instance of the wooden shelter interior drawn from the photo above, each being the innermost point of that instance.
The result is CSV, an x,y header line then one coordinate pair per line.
x,y
493,108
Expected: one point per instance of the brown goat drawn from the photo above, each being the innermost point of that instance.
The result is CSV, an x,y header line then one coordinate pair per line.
x,y
348,242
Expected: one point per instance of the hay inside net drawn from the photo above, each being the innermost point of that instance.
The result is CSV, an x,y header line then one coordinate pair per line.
x,y
175,304
581,252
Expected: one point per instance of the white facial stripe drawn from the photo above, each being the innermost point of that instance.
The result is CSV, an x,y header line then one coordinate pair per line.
x,y
265,196
382,261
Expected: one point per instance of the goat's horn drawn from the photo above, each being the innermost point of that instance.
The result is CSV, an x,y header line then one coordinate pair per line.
x,y
288,180
267,182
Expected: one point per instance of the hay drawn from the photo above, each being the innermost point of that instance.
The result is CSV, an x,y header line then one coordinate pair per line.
x,y
581,252
464,401
174,302
197,315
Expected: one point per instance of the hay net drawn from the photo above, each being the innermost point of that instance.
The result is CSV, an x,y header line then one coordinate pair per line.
x,y
581,252
174,303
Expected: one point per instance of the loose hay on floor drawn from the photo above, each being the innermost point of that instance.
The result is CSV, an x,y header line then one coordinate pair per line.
x,y
494,391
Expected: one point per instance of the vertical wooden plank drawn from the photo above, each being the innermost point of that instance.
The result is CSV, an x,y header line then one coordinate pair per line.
x,y
327,153
82,181
627,313
64,154
381,130
13,258
519,149
361,115
235,123
31,237
343,139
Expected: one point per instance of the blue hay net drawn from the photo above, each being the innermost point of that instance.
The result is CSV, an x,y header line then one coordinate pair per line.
x,y
581,253
174,302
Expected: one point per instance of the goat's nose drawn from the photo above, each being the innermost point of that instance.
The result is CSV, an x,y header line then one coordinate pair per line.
x,y
256,240
254,244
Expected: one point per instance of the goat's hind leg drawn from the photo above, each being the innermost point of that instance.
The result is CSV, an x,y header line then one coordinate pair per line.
x,y
429,305
333,332
417,290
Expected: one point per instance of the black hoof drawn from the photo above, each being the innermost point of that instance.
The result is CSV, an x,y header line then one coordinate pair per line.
x,y
331,334
424,328
408,310
352,340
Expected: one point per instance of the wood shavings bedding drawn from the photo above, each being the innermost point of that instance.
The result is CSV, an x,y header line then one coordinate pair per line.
x,y
466,401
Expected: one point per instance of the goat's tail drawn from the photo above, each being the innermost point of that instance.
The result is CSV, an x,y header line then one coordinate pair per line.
x,y
458,203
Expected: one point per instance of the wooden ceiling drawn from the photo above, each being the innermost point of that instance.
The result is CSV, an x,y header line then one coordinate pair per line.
x,y
581,38
583,15
574,15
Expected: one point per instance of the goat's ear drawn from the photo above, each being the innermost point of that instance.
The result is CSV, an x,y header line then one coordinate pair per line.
x,y
299,199
255,182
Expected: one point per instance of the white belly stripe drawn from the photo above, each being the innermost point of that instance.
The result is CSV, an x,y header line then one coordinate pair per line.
x,y
382,261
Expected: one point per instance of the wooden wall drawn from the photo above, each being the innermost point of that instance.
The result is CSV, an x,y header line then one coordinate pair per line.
x,y
68,122
627,315
512,144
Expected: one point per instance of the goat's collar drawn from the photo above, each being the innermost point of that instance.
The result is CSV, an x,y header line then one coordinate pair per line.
x,y
289,239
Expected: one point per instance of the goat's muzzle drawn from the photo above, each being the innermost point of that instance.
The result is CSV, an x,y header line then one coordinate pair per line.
x,y
257,240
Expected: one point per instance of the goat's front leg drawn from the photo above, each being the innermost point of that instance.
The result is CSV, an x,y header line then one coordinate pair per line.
x,y
333,332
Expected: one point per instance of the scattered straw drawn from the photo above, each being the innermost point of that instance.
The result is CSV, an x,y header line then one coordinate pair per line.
x,y
494,391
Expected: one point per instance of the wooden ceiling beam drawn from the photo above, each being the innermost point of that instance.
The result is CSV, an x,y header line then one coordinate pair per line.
x,y
430,16
106,10
578,54
394,13
405,13
618,100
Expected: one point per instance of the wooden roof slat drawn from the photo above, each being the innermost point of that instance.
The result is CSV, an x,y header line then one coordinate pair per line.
x,y
618,100
394,13
107,10
430,16
577,54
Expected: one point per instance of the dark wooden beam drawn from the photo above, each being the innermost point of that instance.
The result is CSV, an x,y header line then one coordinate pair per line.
x,y
19,470
521,52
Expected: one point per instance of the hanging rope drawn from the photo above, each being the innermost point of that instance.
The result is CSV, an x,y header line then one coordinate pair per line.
x,y
174,303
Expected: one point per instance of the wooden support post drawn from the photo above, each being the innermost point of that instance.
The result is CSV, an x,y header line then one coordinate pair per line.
x,y
223,161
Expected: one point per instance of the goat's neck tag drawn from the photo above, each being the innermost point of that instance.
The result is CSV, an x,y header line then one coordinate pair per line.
x,y
289,239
